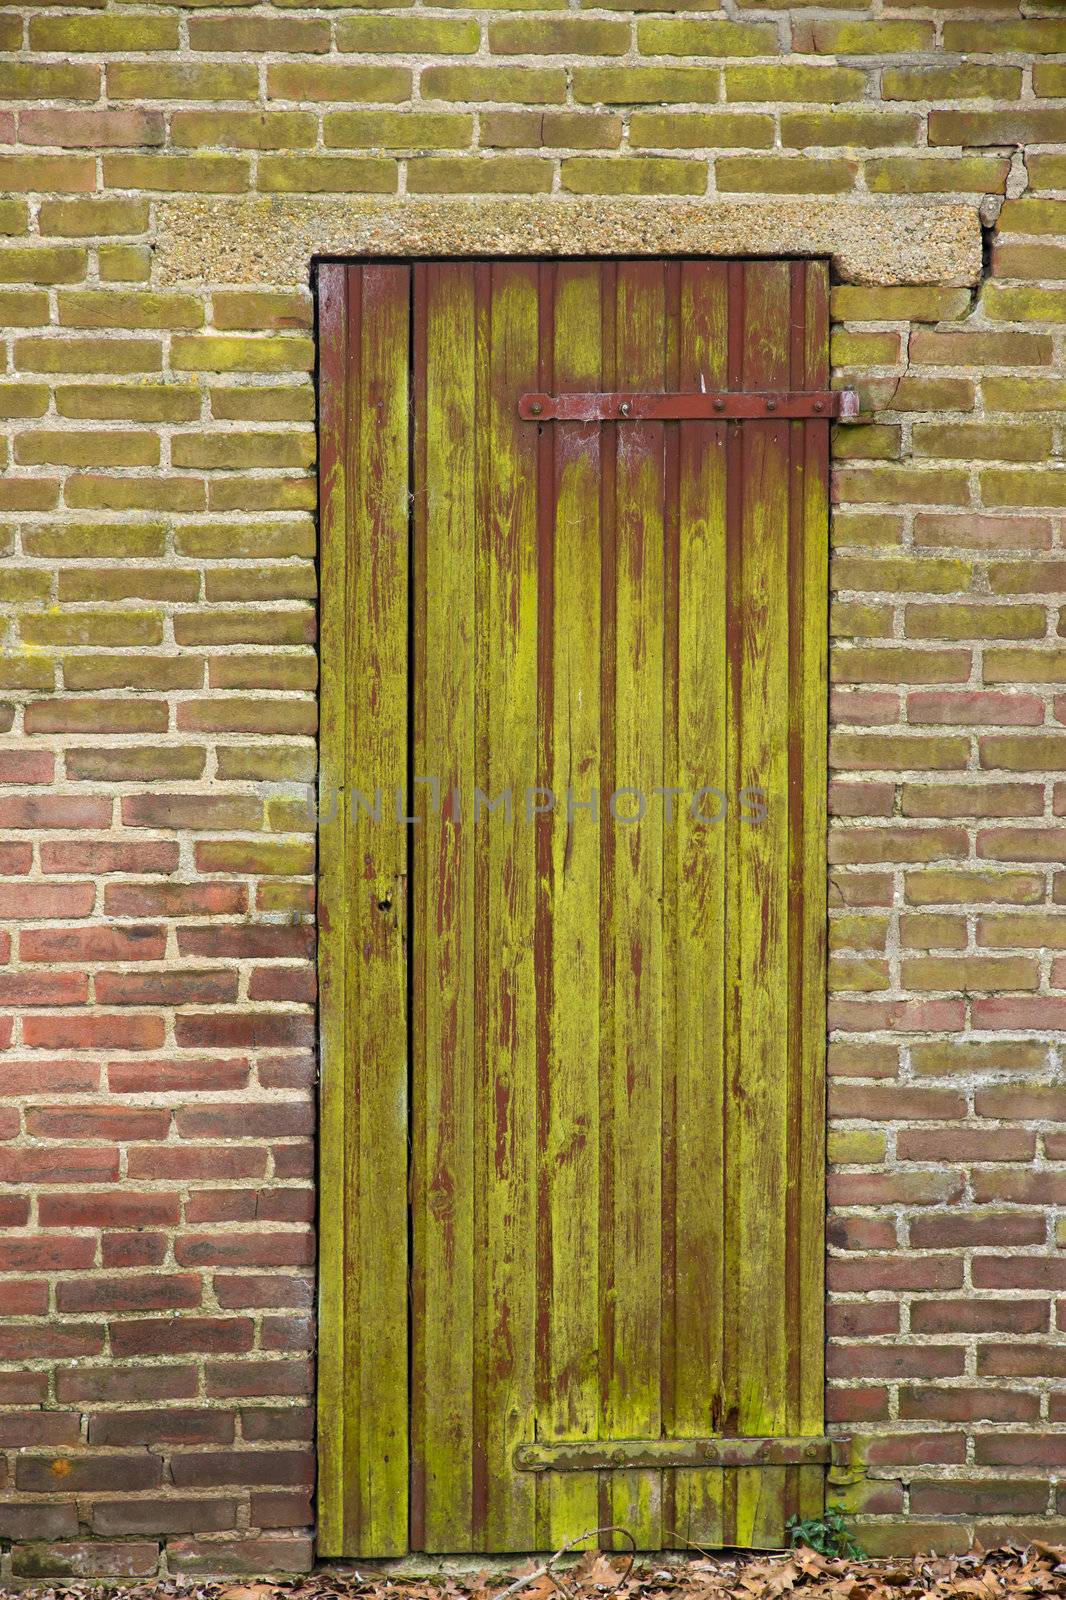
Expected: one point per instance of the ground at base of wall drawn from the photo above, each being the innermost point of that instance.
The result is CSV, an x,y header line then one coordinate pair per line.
x,y
1010,1571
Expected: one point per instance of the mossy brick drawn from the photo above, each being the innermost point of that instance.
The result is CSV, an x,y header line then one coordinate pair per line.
x,y
38,174
182,80
965,81
241,451
327,175
98,35
49,80
847,37
580,130
244,130
1046,171
275,403
1010,303
240,492
865,528
96,715
1000,486
291,900
478,175
937,174
902,485
645,85
222,625
138,672
128,583
982,441
216,353
28,494
286,580
244,540
136,763
979,348
122,627
202,174
77,541
20,586
83,447
24,308
851,303
918,393
699,130
276,858
867,129
49,263
975,621
863,1147
330,81
134,308
1049,79
538,86
1013,259
558,36
27,672
1004,125
849,349
1033,216
85,219
261,310
901,574
23,400
1024,394
294,670
677,36
867,441
292,764
997,37
254,35
511,130
124,263
398,130
92,492
48,354
784,175
795,82
92,129
417,35
14,216
634,175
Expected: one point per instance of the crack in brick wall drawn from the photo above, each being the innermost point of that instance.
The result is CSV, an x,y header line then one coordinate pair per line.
x,y
157,704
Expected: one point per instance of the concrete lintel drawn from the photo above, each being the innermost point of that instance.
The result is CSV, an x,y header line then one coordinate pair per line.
x,y
272,239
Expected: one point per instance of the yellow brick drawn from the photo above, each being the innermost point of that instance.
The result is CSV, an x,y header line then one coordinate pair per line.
x,y
478,175
251,35
48,80
890,752
1029,215
671,36
1024,752
1049,79
115,34
14,216
207,174
999,37
937,174
915,393
927,886
128,583
115,628
980,441
970,974
1009,304
242,450
182,81
306,80
1024,394
88,355
137,308
75,219
903,485
869,129
975,621
86,540
879,441
84,448
645,85
236,493
23,400
244,130
231,354
783,175
791,82
636,175
261,310
124,263
91,492
42,263
245,540
963,82
399,130
278,403
417,35
850,303
1002,487
327,175
24,308
856,1147
878,39
856,975
851,349
902,574
700,130
48,174
1025,665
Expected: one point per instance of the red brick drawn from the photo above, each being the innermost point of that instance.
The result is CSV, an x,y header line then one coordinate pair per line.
x,y
175,899
170,1076
161,1425
109,1208
21,902
161,1336
93,1032
113,943
153,1291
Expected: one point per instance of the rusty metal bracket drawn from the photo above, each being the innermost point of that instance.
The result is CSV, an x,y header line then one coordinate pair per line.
x,y
748,405
623,1455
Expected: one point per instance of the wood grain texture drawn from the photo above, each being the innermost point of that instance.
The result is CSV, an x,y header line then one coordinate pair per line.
x,y
363,1353
617,1011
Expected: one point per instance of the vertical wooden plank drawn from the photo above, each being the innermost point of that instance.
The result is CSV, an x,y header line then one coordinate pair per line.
x,y
568,1407
508,1113
445,520
810,696
758,1144
698,915
333,1198
377,862
363,1419
634,1409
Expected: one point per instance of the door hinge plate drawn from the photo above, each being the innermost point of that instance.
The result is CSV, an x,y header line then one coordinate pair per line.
x,y
749,405
625,1455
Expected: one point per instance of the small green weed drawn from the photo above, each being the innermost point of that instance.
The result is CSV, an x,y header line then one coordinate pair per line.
x,y
829,1534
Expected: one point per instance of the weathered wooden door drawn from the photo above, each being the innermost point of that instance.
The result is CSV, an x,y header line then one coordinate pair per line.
x,y
573,902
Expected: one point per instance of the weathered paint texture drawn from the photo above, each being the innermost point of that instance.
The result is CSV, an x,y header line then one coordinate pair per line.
x,y
158,622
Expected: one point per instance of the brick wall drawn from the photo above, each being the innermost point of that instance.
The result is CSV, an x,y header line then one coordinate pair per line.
x,y
157,675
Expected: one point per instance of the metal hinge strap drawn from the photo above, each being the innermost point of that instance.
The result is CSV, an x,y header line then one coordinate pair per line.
x,y
624,1455
632,407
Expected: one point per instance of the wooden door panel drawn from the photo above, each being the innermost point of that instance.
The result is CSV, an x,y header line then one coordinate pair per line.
x,y
616,1008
